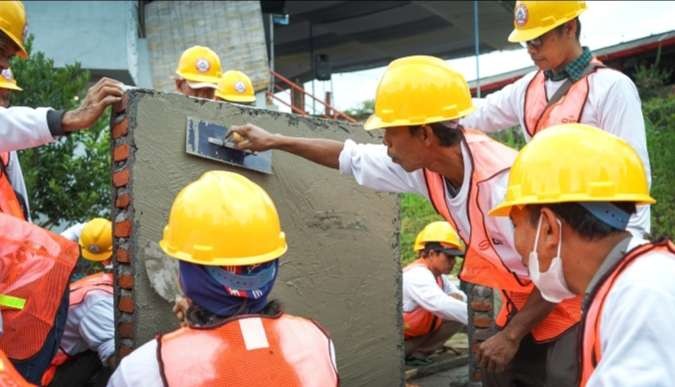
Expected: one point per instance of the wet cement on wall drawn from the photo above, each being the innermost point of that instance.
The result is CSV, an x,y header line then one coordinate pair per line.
x,y
342,266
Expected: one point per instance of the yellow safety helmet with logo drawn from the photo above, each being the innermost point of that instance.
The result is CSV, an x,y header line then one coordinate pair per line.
x,y
418,90
13,24
96,240
235,86
575,163
223,219
7,80
441,232
200,66
531,19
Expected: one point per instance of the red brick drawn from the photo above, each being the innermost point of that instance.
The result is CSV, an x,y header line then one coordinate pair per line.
x,y
484,305
122,229
126,281
121,129
122,256
122,200
126,330
121,178
482,321
121,152
126,304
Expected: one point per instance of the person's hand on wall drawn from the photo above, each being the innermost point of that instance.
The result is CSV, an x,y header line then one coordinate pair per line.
x,y
103,94
180,309
495,353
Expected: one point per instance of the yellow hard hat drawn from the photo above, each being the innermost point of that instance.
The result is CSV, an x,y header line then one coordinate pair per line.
x,y
235,86
223,219
441,232
531,19
200,66
575,163
13,23
96,240
7,80
418,90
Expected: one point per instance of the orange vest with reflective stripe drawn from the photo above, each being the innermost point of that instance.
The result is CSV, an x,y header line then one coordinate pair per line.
x,y
78,292
251,351
9,377
9,203
590,339
539,114
482,264
420,321
36,267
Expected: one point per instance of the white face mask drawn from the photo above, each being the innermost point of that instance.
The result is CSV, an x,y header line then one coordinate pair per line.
x,y
552,283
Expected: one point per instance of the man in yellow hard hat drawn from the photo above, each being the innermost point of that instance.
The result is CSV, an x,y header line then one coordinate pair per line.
x,y
23,127
225,232
569,85
198,72
12,186
570,196
88,343
462,172
235,86
434,309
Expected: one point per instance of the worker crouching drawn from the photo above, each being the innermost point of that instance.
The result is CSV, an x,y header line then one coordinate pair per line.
x,y
225,231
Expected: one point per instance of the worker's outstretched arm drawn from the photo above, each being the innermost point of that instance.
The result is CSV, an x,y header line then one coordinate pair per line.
x,y
322,151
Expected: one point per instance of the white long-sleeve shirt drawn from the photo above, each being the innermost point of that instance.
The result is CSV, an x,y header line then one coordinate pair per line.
x,y
613,105
23,127
140,368
636,332
370,165
420,290
91,326
16,179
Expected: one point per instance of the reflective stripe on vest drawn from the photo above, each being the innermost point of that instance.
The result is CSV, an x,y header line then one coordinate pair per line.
x,y
249,350
9,376
538,114
590,350
9,203
420,321
36,267
482,264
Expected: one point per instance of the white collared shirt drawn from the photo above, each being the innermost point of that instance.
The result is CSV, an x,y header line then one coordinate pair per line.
x,y
23,128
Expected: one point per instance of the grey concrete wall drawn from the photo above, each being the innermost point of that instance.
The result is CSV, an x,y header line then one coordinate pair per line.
x,y
233,29
342,267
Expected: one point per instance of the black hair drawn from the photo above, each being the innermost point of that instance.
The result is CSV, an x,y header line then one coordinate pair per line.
x,y
581,220
447,136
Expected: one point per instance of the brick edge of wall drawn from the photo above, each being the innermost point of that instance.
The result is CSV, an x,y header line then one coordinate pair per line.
x,y
481,325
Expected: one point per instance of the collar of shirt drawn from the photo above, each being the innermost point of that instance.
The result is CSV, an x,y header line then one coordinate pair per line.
x,y
574,70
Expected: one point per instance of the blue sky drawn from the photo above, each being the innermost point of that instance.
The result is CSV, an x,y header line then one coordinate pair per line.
x,y
603,24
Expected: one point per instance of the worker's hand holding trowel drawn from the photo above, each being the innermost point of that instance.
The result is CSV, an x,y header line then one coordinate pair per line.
x,y
252,138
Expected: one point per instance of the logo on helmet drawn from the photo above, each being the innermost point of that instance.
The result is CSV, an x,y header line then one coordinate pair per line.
x,y
240,87
202,65
7,74
520,15
94,248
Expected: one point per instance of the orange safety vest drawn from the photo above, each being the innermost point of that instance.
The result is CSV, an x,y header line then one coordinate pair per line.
x,y
9,377
36,266
482,264
251,351
78,292
538,114
9,203
590,340
419,321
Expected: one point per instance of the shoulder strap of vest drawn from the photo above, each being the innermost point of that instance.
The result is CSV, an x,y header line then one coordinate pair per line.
x,y
565,87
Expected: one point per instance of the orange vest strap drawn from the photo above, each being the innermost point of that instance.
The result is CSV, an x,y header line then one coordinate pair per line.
x,y
9,203
249,350
539,113
590,339
80,288
37,265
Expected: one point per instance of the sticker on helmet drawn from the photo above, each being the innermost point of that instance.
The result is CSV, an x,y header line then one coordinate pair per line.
x,y
94,248
7,74
520,15
203,65
240,87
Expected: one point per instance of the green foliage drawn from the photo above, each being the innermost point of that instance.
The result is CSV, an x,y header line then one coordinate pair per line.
x,y
68,180
363,111
650,79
